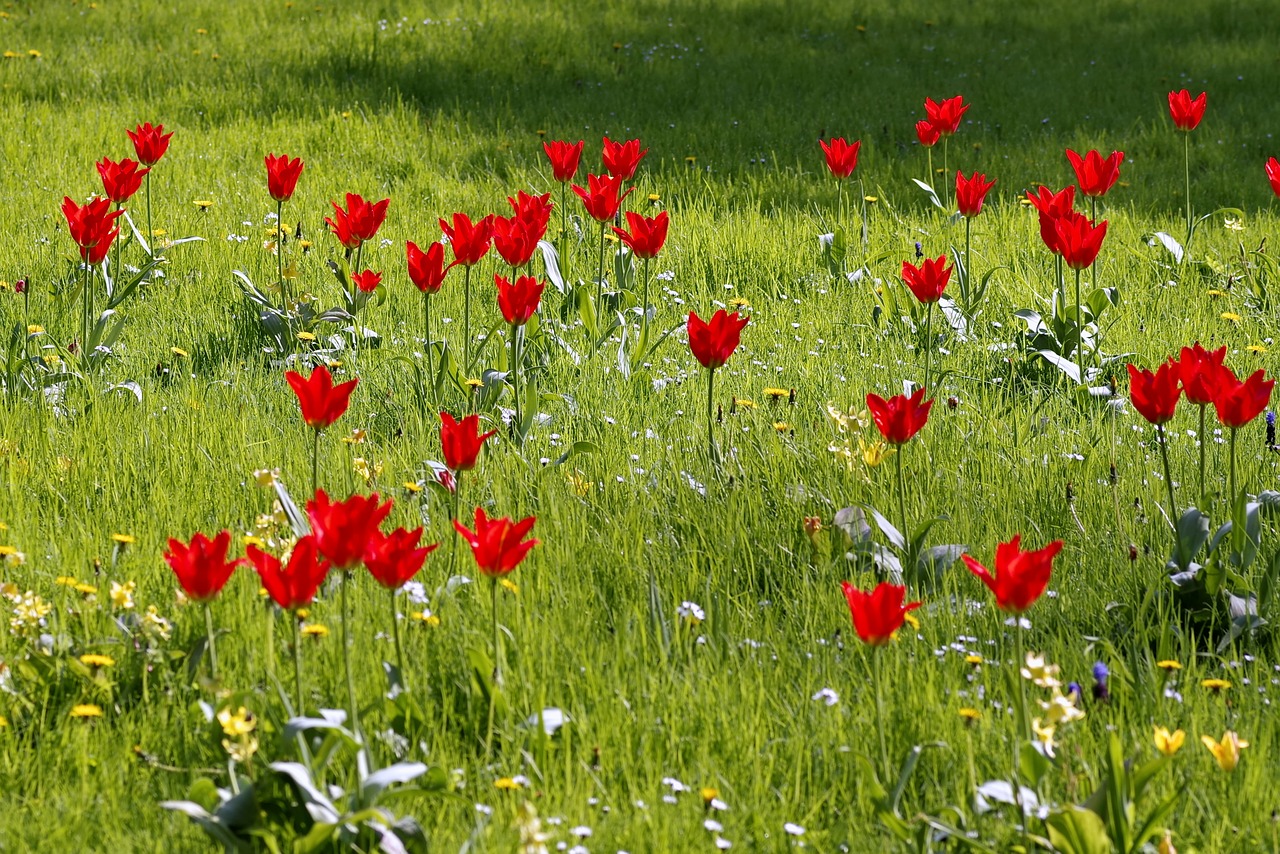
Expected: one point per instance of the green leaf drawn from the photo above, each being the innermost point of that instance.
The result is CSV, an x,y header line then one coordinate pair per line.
x,y
1076,830
1032,764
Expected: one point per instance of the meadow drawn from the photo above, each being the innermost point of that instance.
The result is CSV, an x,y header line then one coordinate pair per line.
x,y
679,669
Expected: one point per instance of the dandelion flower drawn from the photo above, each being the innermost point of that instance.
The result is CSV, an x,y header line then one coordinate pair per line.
x,y
316,630
91,659
1231,317
86,710
124,539
1215,685
1168,664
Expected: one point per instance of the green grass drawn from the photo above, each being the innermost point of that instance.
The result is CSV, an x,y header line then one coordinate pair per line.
x,y
446,116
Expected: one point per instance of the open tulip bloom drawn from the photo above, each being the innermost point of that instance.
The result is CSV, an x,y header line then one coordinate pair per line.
x,y
149,144
899,419
518,303
93,229
945,119
322,403
202,568
470,242
1186,113
1199,374
602,199
1080,241
645,237
1155,396
927,282
1051,207
291,586
282,180
842,159
712,344
427,271
1273,175
1238,403
392,559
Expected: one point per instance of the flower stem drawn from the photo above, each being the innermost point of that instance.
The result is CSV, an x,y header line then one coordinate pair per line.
x,y
1062,284
1021,724
299,707
1232,497
346,654
426,337
315,462
644,307
280,252
968,264
1201,437
271,641
1168,478
600,278
564,232
497,666
1186,165
466,318
395,625
1079,332
928,344
902,497
878,677
515,378
150,236
711,439
213,652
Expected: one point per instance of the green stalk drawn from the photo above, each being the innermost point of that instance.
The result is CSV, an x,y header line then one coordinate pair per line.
x,y
902,495
299,708
1233,467
564,232
644,307
1186,165
426,331
466,318
946,171
497,666
928,344
1079,331
280,252
1201,437
515,376
1168,478
146,179
878,676
968,263
213,653
1062,284
711,439
600,278
346,654
315,462
271,642
1023,726
395,625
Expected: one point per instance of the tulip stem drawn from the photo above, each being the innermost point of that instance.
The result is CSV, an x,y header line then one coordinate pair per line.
x,y
644,307
346,654
1062,285
271,642
395,626
1168,478
1079,333
711,439
946,170
209,634
497,666
280,252
928,344
902,500
967,290
877,668
315,462
564,232
146,180
515,379
466,318
426,337
1232,497
300,707
1201,437
1186,165
1022,725
600,278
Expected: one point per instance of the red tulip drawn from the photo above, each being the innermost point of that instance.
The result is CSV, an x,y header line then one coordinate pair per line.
x,y
202,567
426,269
1273,175
645,235
713,343
513,240
1237,402
1185,111
282,176
121,180
970,192
622,158
533,211
842,158
927,133
879,614
149,143
603,199
294,585
1052,206
564,157
322,402
469,240
344,529
1020,577
1155,396
1079,240
519,301
1199,370
359,222
496,543
90,227
929,280
394,558
1094,174
461,441
367,281
900,417
945,116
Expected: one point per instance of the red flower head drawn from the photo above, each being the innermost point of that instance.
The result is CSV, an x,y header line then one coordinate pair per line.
x,y
513,240
294,585
91,227
282,176
469,240
344,529
426,269
1237,402
149,143
202,567
1079,240
1094,174
927,133
1155,396
121,180
1199,369
900,417
645,235
842,158
519,301
395,558
496,542
1051,206
1020,577
1273,175
928,280
970,192
534,211
1185,111
461,441
945,116
603,200
713,343
622,158
367,281
322,402
564,157
359,222
878,614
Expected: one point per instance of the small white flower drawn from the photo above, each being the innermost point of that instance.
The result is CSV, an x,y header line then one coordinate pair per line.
x,y
828,696
793,829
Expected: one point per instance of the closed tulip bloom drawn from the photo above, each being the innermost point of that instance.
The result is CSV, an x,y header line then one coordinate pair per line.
x,y
292,585
929,280
1227,752
1079,240
879,614
842,157
713,343
395,558
461,441
469,240
201,566
970,193
602,200
621,158
282,176
900,417
359,222
121,180
367,281
644,235
1020,577
1051,207
344,529
518,301
1238,403
1185,111
533,211
322,402
149,143
497,543
927,132
426,269
946,115
1094,173
1199,371
1273,175
564,157
513,240
1155,395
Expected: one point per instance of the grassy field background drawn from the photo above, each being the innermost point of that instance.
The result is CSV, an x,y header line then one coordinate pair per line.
x,y
442,107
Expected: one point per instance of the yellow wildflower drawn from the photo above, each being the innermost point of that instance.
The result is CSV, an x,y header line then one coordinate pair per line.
x,y
743,402
775,394
875,453
1215,293
122,594
973,658
306,336
1060,708
34,329
1256,349
473,383
1042,674
1226,752
1168,664
124,539
1215,685
237,723
86,710
510,586
1231,317
846,421
739,303
316,630
782,427
1167,742
1044,735
203,204
66,581
911,620
581,486
357,437
91,659
709,794
86,589
426,618
970,716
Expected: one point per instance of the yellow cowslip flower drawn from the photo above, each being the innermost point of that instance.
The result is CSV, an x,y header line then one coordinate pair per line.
x,y
1168,664
1167,742
1231,317
1060,708
124,539
843,452
1215,685
1044,735
237,723
875,453
1226,752
122,595
1042,674
510,586
90,659
366,470
507,784
86,710
266,477
846,421
357,437
154,625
